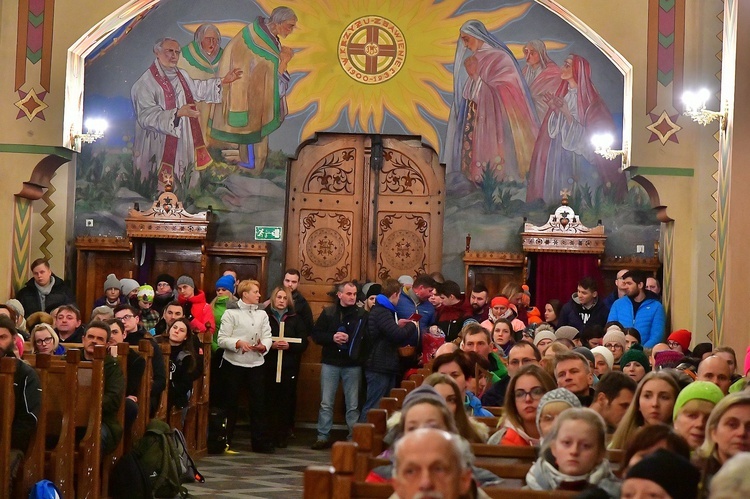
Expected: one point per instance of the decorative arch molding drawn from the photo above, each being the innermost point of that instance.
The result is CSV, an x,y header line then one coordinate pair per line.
x,y
653,196
77,53
620,62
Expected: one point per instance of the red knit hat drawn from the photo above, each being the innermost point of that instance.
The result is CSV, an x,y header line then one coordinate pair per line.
x,y
683,337
499,300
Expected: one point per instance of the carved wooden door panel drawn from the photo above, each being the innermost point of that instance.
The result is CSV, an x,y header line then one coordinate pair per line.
x,y
327,193
350,220
408,209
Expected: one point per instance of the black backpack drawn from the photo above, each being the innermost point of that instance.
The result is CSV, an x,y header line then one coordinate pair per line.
x,y
217,431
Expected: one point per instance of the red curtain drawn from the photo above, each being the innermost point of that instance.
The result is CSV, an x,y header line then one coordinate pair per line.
x,y
557,275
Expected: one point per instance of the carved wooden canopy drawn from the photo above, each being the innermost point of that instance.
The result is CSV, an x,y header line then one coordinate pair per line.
x,y
167,219
563,233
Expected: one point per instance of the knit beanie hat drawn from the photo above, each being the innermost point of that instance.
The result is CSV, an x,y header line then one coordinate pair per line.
x,y
614,336
683,337
604,352
165,278
556,395
16,305
373,290
567,332
667,358
406,280
419,394
614,327
543,335
586,353
185,279
635,354
226,282
672,472
146,293
697,390
500,300
111,282
128,285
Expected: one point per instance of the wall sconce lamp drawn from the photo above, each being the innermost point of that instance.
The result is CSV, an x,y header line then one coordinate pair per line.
x,y
602,146
95,128
695,108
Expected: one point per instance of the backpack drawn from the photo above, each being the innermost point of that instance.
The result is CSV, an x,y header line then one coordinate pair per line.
x,y
161,458
217,431
44,489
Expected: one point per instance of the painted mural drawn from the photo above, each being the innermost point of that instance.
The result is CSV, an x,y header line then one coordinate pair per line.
x,y
214,97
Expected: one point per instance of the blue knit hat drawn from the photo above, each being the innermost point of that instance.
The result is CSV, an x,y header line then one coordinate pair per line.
x,y
226,282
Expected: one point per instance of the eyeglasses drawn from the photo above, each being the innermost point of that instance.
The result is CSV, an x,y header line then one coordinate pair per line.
x,y
43,341
673,344
126,317
535,393
613,346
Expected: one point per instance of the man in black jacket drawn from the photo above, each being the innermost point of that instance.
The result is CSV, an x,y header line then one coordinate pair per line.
x,y
134,333
301,307
28,397
384,337
332,331
584,307
45,291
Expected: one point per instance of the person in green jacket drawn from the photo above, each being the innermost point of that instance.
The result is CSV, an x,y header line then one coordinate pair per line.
x,y
224,296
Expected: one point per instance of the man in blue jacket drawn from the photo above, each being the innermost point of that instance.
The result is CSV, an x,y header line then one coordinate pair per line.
x,y
639,308
416,301
385,334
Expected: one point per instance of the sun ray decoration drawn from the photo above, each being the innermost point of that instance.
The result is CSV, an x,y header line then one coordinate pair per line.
x,y
429,29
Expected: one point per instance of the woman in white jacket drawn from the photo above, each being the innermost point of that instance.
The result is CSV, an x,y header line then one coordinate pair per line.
x,y
245,336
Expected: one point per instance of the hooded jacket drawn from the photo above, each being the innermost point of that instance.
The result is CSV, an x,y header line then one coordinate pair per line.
x,y
385,337
574,314
202,317
329,321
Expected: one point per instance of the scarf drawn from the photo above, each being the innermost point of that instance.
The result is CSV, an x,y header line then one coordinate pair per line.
x,y
202,158
44,291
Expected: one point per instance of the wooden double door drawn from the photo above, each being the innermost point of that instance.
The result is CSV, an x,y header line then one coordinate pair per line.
x,y
363,207
360,207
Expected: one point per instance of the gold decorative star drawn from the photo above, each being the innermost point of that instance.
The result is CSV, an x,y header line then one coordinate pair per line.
x,y
663,127
31,105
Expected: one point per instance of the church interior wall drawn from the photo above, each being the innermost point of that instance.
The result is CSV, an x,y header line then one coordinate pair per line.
x,y
694,151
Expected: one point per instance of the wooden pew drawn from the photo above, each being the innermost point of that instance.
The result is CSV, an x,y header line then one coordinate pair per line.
x,y
88,414
399,394
390,404
32,469
378,418
146,350
417,378
7,409
203,409
60,408
408,385
109,460
161,413
496,411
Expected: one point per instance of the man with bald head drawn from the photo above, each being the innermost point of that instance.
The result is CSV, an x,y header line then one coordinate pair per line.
x,y
430,463
659,347
716,370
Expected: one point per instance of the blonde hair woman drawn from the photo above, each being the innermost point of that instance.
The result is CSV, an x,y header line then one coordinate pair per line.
x,y
44,339
652,403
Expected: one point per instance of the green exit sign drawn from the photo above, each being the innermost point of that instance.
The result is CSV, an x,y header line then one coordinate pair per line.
x,y
263,233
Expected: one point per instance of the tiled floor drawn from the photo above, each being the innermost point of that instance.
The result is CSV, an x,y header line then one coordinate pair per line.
x,y
259,476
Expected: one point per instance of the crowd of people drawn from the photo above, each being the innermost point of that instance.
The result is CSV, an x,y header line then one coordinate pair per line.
x,y
573,379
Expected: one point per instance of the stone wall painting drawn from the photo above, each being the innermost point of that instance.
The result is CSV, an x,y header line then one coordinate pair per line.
x,y
374,67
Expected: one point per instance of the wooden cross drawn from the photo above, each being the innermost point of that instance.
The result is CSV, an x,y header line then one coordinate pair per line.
x,y
281,337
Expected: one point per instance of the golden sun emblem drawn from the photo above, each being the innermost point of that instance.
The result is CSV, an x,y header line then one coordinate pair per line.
x,y
414,95
372,50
